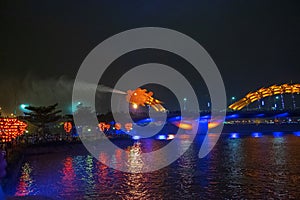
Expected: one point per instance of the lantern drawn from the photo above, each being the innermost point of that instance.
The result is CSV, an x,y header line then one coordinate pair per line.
x,y
118,126
103,126
128,126
68,127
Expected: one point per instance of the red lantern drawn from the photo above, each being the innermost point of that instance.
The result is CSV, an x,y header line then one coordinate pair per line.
x,y
103,126
118,126
68,127
128,126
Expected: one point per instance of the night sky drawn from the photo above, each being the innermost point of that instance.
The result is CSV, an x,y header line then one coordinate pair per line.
x,y
43,43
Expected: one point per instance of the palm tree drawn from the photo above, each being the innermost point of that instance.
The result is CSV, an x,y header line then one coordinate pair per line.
x,y
41,116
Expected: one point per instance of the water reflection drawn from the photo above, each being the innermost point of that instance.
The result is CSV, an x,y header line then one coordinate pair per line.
x,y
134,186
280,177
239,168
68,177
25,186
135,162
186,169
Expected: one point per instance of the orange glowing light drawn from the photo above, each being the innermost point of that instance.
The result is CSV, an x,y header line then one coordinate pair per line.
x,y
128,126
140,97
184,125
103,126
11,128
265,92
118,126
68,127
213,124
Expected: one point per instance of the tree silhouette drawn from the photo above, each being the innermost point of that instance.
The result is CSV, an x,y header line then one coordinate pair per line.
x,y
41,116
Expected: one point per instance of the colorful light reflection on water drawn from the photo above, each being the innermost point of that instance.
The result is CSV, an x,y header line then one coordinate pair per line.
x,y
26,182
236,168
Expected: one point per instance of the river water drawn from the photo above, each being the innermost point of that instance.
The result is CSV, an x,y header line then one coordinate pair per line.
x,y
238,167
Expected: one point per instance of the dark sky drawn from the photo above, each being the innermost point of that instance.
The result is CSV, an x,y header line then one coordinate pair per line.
x,y
254,43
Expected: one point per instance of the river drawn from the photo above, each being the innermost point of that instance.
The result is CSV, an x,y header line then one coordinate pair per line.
x,y
239,167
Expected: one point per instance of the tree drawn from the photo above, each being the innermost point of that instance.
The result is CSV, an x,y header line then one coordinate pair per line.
x,y
41,116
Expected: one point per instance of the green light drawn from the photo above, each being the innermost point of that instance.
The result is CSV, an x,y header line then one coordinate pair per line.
x,y
23,106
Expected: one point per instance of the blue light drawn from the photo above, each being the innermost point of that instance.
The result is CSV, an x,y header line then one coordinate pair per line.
x,y
162,137
146,120
232,116
256,135
297,133
260,115
282,115
262,102
172,119
234,135
136,137
277,134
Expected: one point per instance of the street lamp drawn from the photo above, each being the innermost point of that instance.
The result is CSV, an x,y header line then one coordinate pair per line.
x,y
184,103
23,106
232,99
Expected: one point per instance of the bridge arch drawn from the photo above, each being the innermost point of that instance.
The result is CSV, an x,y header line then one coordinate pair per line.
x,y
265,92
